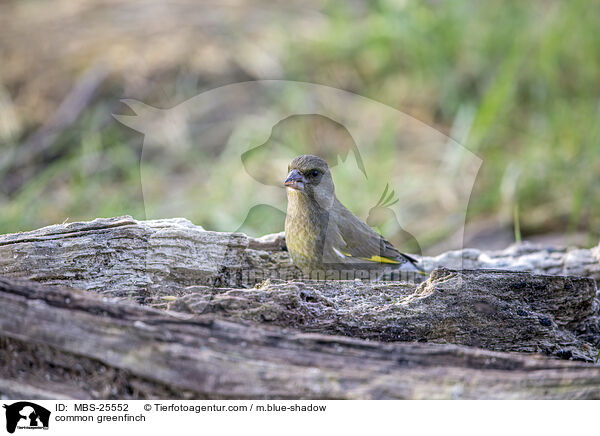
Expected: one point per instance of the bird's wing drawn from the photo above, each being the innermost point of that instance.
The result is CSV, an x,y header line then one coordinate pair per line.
x,y
360,241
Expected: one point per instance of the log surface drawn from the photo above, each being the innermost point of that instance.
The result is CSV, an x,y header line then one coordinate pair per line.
x,y
126,257
495,310
106,349
119,308
143,258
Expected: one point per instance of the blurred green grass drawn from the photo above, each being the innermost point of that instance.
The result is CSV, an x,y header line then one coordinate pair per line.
x,y
527,74
528,70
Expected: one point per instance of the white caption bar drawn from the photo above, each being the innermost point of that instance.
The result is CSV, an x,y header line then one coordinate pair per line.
x,y
290,417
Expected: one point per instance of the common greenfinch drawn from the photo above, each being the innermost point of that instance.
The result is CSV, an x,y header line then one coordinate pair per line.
x,y
327,241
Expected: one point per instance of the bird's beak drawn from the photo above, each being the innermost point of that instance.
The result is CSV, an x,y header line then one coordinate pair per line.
x,y
295,180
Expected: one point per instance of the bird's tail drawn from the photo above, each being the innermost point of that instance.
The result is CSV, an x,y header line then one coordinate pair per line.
x,y
415,263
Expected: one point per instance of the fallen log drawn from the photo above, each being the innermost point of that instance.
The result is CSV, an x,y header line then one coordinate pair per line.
x,y
224,315
142,259
139,259
62,343
495,310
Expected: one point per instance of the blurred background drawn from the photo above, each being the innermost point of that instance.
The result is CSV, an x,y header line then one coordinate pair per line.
x,y
516,83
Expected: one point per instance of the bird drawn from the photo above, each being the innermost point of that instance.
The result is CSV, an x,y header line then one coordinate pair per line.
x,y
324,239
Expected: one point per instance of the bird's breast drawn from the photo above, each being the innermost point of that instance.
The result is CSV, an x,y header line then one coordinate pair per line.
x,y
303,235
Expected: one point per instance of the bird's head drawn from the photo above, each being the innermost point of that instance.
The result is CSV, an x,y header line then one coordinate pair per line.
x,y
309,176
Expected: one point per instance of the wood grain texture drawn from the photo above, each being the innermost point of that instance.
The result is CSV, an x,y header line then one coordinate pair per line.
x,y
148,353
491,309
210,326
138,259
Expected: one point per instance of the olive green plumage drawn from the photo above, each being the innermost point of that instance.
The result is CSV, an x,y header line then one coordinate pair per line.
x,y
321,234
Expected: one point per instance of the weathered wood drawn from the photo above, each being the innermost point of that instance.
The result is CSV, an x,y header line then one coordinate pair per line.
x,y
139,259
525,257
496,310
142,258
79,345
246,337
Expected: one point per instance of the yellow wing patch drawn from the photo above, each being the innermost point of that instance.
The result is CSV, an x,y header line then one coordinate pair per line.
x,y
380,259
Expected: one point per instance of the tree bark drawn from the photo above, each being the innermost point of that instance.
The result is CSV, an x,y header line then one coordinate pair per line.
x,y
224,315
69,344
139,259
495,310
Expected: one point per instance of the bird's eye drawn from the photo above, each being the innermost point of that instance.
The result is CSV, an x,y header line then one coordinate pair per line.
x,y
313,173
